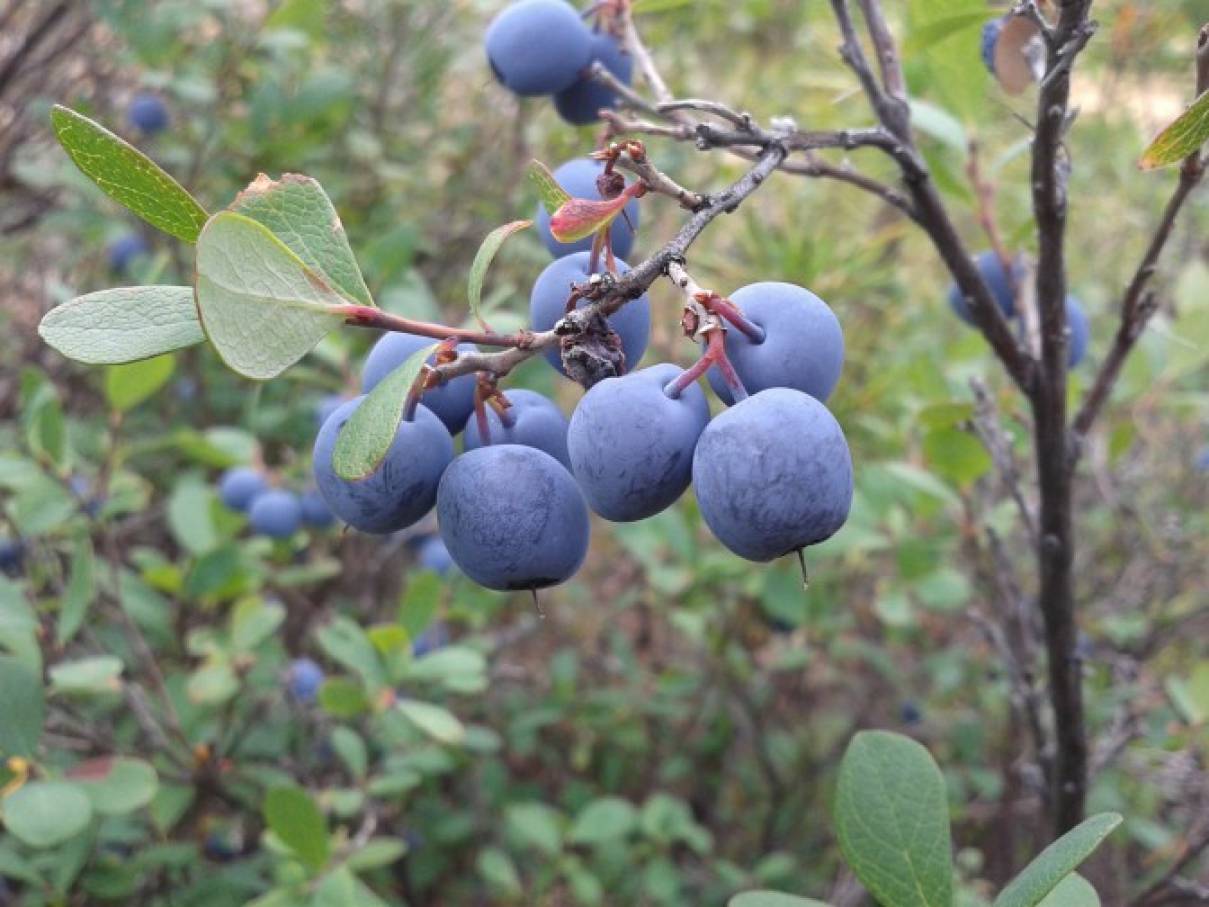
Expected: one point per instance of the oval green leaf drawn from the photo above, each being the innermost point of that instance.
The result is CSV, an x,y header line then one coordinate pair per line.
x,y
1188,132
129,384
1072,891
369,432
128,176
892,817
438,723
296,820
1057,861
22,707
261,307
116,786
123,325
46,813
482,261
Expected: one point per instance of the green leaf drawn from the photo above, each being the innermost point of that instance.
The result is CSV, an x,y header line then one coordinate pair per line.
x,y
81,588
1057,861
123,325
367,435
1188,132
342,698
771,899
420,602
1072,891
376,853
46,813
126,386
499,872
299,213
253,621
128,176
343,889
87,676
261,307
22,707
345,642
926,34
350,747
438,723
116,786
552,195
190,517
956,455
482,261
603,820
295,819
892,818
535,825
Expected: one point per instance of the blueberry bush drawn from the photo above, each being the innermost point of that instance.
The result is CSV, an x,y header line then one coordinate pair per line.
x,y
795,497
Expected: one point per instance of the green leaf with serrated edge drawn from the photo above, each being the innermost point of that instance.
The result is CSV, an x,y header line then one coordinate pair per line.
x,y
552,195
129,384
22,707
128,176
299,213
892,818
438,723
369,432
772,899
1186,134
482,261
581,217
1057,861
123,325
261,307
1072,891
292,815
46,813
78,596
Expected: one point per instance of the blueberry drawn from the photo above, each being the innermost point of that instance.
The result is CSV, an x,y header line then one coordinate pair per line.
x,y
81,487
537,422
579,104
990,37
631,445
434,556
148,113
773,474
548,303
327,405
538,47
219,847
578,178
1002,286
453,401
512,517
315,512
910,712
12,553
1079,332
239,485
276,513
404,486
124,250
435,637
803,345
304,677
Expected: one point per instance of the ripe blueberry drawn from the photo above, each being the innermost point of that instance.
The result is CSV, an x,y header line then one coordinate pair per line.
x,y
538,46
276,513
579,104
536,422
239,485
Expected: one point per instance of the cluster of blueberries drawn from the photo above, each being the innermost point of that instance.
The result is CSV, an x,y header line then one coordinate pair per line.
x,y
1003,284
772,473
274,512
543,47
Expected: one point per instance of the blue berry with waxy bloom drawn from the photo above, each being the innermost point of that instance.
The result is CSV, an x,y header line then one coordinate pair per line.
x,y
631,444
548,304
12,554
773,474
275,513
434,556
315,512
536,421
148,113
452,402
326,405
579,178
512,518
122,252
239,486
304,677
580,104
990,37
538,47
1079,332
404,486
1001,283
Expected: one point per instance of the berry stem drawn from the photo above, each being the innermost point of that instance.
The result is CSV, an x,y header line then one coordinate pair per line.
x,y
736,318
369,317
715,354
413,395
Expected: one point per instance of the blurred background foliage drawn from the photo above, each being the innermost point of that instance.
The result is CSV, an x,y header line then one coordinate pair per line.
x,y
666,730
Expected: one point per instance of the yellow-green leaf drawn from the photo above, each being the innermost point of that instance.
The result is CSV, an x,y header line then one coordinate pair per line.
x,y
552,195
1185,135
482,261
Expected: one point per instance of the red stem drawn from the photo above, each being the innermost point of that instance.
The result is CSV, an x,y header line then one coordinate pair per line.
x,y
480,417
715,354
369,317
737,319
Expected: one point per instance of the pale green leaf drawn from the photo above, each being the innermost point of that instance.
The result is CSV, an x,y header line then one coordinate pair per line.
x,y
126,386
22,707
370,430
1072,891
482,261
1057,861
253,621
1188,132
86,676
299,213
128,176
261,307
292,815
438,723
925,34
46,813
499,871
552,195
376,853
603,820
123,325
78,596
892,818
116,786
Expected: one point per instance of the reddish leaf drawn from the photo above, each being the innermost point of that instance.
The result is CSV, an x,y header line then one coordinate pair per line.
x,y
582,217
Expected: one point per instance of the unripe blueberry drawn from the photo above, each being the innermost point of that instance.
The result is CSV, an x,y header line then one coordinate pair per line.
x,y
631,445
148,113
124,250
239,485
803,345
452,402
512,517
579,104
276,513
773,474
315,512
536,422
578,178
548,303
538,47
404,486
304,677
